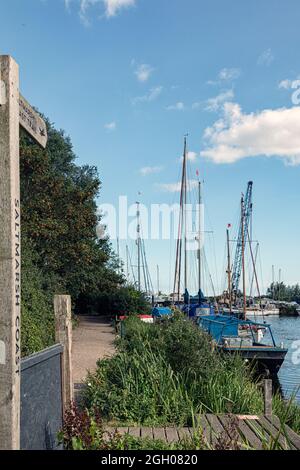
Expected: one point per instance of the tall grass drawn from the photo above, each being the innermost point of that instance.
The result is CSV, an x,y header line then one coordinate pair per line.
x,y
167,373
139,389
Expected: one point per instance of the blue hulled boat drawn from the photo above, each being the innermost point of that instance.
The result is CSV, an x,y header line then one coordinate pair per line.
x,y
232,335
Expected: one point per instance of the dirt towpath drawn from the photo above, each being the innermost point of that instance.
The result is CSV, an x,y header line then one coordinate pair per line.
x,y
93,339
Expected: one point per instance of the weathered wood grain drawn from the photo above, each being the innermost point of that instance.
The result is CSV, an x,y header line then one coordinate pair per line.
x,y
10,256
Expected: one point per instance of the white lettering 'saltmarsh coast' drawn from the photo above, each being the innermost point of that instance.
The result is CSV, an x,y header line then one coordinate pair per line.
x,y
14,111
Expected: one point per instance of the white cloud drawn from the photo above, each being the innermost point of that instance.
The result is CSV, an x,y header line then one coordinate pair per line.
x,y
152,95
197,105
214,104
176,107
111,7
114,6
143,72
266,58
191,156
110,126
228,75
270,133
149,170
68,4
176,187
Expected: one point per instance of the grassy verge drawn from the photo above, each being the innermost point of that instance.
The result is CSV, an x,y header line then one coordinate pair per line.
x,y
166,374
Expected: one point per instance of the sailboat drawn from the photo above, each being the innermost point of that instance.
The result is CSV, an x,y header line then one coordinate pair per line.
x,y
197,305
230,333
234,332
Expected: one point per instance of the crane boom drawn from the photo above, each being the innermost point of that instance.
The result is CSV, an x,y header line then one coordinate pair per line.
x,y
242,235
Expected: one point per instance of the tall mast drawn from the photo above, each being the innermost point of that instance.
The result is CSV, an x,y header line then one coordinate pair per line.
x,y
138,230
185,216
243,256
118,251
177,277
200,239
279,285
229,271
157,280
254,267
127,264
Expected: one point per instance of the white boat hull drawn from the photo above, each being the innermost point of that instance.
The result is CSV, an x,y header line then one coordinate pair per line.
x,y
263,313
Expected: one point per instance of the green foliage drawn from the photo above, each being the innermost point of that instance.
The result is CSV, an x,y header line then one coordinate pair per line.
x,y
166,374
37,309
120,301
287,412
139,388
280,291
61,252
83,430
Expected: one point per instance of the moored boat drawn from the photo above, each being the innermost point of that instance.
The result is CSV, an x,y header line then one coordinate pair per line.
x,y
235,336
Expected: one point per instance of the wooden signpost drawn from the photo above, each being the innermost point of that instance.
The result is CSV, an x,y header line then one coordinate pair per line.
x,y
14,111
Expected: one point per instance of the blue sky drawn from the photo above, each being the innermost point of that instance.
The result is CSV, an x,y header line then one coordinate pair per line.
x,y
127,79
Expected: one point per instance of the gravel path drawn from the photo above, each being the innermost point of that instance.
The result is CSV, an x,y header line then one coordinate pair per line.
x,y
93,339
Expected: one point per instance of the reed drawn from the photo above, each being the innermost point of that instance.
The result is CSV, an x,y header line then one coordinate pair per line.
x,y
168,373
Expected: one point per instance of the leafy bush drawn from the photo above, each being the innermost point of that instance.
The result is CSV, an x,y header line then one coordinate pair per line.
x,y
60,249
123,300
37,308
166,374
84,431
138,389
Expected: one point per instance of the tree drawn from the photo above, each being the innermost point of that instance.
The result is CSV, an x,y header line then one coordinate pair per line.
x,y
280,291
61,251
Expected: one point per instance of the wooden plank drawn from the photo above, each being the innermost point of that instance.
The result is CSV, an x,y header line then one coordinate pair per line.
x,y
134,431
32,122
274,432
245,432
259,430
184,433
108,432
216,425
294,438
192,431
172,435
208,432
159,434
147,433
255,417
122,430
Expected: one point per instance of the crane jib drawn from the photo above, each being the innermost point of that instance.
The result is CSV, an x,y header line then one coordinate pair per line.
x,y
237,266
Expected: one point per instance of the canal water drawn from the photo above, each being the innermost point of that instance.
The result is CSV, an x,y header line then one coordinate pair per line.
x,y
286,330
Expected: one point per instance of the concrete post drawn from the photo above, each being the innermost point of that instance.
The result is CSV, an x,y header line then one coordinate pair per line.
x,y
268,397
10,256
63,335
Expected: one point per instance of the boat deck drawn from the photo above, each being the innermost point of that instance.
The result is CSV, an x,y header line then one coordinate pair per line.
x,y
219,431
